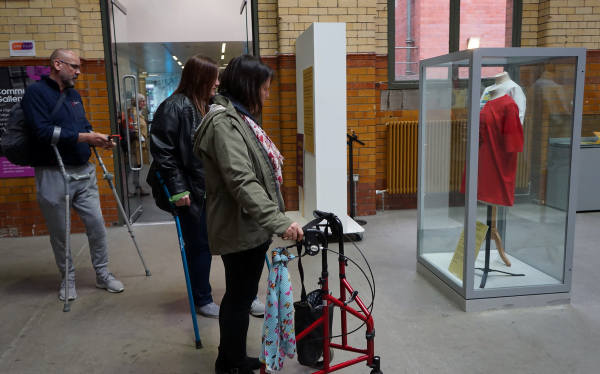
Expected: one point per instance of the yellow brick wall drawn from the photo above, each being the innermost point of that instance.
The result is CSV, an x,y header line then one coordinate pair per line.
x,y
267,27
381,24
282,21
561,23
73,24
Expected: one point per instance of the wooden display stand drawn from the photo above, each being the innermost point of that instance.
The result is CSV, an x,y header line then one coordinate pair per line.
x,y
491,222
496,236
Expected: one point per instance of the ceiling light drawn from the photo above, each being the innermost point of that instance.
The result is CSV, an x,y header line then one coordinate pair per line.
x,y
153,75
179,62
175,58
223,48
473,43
222,57
182,67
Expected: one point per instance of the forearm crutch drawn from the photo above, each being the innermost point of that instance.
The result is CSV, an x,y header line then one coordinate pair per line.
x,y
67,180
175,213
109,178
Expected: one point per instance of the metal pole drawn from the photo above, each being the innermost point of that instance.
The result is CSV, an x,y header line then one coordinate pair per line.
x,y
184,260
352,191
109,178
66,307
409,40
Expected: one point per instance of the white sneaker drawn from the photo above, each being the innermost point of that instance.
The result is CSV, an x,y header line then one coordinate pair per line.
x,y
257,309
72,292
210,310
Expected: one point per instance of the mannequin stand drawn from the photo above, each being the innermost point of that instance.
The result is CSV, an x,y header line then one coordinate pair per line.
x,y
488,238
496,236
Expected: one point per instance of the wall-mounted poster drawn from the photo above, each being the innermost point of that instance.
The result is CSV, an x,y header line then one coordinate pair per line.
x,y
13,82
309,110
22,48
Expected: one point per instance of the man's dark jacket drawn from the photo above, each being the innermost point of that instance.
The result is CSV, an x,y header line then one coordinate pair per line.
x,y
171,143
37,103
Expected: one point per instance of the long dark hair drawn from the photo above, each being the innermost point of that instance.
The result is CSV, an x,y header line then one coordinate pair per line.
x,y
242,79
198,77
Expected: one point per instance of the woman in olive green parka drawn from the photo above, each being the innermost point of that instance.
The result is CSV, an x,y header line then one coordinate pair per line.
x,y
242,170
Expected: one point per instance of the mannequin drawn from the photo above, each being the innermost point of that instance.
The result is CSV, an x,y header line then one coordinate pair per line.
x,y
505,86
499,145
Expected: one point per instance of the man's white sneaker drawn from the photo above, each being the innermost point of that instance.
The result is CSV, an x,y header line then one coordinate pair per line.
x,y
257,309
72,292
107,280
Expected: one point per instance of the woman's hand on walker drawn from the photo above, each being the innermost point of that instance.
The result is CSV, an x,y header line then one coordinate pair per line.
x,y
294,232
183,201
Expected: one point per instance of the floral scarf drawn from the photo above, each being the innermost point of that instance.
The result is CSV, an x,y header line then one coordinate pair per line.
x,y
274,156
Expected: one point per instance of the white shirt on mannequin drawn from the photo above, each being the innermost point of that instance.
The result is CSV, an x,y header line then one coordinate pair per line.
x,y
505,86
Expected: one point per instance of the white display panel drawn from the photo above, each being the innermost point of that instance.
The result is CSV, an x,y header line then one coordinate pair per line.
x,y
323,47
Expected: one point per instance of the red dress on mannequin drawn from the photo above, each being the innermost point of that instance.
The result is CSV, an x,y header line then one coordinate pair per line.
x,y
500,139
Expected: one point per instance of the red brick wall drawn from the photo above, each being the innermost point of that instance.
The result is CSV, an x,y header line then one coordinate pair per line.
x,y
429,29
509,23
484,19
19,211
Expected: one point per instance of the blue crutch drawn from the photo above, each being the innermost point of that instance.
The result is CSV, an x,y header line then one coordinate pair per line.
x,y
174,211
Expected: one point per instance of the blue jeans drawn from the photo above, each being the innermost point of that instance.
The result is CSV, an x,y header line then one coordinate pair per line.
x,y
197,253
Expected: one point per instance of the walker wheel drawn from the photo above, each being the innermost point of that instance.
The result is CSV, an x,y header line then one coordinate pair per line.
x,y
358,237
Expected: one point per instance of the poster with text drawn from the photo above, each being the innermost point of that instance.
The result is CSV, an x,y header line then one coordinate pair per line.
x,y
13,82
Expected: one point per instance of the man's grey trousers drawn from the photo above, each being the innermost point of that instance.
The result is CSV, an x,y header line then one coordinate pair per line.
x,y
84,199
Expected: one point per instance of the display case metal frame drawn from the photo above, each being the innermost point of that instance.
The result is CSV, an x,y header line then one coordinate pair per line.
x,y
469,298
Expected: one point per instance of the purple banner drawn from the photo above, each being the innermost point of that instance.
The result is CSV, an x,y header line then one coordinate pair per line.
x,y
8,170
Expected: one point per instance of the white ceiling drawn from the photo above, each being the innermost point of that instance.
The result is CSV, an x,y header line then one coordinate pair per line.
x,y
151,21
155,58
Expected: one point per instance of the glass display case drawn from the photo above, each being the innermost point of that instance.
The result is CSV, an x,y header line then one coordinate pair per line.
x,y
489,121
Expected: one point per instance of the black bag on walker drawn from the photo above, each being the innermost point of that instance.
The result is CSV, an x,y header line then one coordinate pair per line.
x,y
306,311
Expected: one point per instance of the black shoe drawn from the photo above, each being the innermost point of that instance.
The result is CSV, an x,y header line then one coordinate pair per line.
x,y
255,363
222,366
243,369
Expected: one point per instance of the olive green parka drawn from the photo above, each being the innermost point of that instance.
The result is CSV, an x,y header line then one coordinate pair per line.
x,y
243,202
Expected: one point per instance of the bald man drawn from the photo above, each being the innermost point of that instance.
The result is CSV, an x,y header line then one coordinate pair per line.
x,y
74,141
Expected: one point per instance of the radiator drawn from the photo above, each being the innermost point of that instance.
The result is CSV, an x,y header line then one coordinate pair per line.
x,y
445,156
402,157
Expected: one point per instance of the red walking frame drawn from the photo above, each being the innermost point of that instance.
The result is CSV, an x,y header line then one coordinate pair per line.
x,y
314,237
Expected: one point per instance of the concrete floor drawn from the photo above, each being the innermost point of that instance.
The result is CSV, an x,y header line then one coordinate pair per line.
x,y
147,329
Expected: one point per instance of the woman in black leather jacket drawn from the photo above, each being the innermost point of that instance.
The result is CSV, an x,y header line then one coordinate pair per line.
x,y
171,135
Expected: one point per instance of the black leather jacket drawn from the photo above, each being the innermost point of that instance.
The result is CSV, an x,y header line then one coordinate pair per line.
x,y
171,144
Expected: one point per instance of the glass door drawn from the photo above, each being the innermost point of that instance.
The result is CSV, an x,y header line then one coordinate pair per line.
x,y
132,125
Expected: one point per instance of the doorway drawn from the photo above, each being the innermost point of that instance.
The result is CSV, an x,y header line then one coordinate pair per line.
x,y
148,49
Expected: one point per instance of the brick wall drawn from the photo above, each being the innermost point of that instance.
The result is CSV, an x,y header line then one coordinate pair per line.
x,y
484,19
282,21
591,94
279,121
72,24
19,211
561,23
381,24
